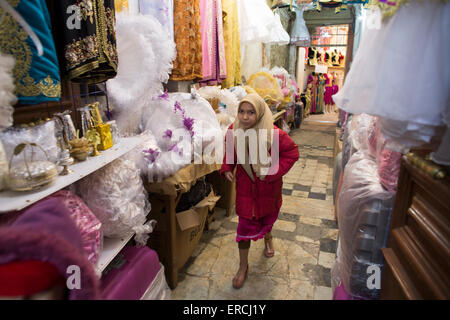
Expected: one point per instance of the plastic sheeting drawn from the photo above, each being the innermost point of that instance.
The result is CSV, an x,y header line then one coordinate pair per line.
x,y
185,128
364,210
158,290
116,195
43,135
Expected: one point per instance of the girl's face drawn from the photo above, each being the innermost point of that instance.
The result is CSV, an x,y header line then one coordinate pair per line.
x,y
247,115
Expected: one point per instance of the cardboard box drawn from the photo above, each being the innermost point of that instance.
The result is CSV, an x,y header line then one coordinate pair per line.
x,y
189,229
225,189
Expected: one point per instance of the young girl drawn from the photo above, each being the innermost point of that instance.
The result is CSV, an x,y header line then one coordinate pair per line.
x,y
258,196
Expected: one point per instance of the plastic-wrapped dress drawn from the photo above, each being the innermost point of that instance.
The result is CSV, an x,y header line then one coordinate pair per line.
x,y
117,197
364,210
183,126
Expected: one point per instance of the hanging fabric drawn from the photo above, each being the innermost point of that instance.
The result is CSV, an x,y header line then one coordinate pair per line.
x,y
231,37
36,77
162,10
86,39
213,47
299,33
188,39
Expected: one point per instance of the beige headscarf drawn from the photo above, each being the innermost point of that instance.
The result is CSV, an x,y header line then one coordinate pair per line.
x,y
264,120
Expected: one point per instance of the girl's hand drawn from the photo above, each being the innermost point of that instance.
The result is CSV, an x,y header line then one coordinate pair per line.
x,y
229,175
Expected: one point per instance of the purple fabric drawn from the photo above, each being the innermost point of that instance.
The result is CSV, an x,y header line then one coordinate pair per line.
x,y
87,223
341,294
46,232
255,229
132,279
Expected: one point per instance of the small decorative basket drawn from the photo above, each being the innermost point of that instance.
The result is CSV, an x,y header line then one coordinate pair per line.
x,y
30,175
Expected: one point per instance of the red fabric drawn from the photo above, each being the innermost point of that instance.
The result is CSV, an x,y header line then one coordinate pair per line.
x,y
255,200
24,278
255,229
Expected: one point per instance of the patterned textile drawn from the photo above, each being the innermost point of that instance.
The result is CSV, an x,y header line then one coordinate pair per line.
x,y
232,43
86,39
36,77
279,54
213,47
188,39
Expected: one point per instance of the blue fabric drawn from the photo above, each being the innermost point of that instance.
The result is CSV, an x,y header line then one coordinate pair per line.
x,y
37,79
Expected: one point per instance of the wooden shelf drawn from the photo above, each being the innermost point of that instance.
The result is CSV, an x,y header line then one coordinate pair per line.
x,y
12,200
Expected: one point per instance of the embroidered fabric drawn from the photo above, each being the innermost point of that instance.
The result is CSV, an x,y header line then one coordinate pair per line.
x,y
36,76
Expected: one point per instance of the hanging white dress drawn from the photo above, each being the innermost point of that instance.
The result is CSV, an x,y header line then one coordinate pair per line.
x,y
299,33
400,73
257,23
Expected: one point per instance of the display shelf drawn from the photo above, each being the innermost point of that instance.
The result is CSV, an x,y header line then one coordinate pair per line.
x,y
12,200
111,247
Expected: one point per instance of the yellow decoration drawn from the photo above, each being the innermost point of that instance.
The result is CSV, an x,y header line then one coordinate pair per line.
x,y
265,85
121,5
105,136
94,139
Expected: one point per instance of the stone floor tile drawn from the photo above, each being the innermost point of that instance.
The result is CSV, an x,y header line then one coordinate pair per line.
x,y
318,190
313,221
319,196
328,245
306,239
288,186
191,288
323,293
326,259
284,225
300,194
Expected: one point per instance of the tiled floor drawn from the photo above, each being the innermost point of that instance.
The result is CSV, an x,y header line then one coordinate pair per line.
x,y
305,237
